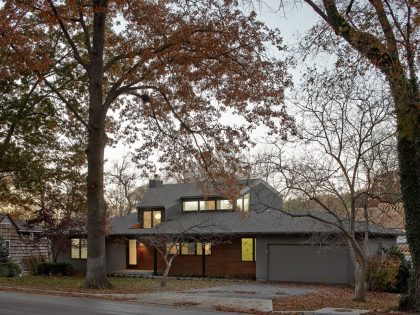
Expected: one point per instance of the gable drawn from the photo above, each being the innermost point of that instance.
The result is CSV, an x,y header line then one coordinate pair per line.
x,y
6,220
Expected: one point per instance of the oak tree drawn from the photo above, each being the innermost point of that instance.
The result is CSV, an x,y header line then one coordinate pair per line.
x,y
170,69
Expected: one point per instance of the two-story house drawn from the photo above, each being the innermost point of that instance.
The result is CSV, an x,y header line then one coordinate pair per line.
x,y
243,238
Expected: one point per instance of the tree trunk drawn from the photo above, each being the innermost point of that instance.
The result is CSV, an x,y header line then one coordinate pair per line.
x,y
96,261
164,278
360,277
408,118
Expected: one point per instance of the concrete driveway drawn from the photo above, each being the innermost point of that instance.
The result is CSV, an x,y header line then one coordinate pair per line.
x,y
246,297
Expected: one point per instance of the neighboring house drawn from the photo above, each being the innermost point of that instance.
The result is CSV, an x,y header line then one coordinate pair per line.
x,y
22,238
259,242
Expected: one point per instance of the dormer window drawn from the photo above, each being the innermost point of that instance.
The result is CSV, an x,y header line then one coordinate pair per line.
x,y
206,205
242,203
151,218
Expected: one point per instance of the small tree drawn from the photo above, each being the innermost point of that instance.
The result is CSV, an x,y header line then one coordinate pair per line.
x,y
169,245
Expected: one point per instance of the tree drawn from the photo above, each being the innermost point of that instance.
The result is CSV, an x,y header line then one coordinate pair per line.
x,y
169,245
170,68
123,191
386,34
346,133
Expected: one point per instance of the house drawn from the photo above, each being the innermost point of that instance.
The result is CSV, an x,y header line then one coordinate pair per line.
x,y
247,238
22,238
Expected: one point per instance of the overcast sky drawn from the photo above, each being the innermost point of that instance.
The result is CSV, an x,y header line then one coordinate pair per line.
x,y
293,21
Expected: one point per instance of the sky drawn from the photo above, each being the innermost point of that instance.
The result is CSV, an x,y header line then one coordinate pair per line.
x,y
292,21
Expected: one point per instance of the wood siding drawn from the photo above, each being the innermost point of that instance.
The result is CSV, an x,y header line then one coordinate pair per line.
x,y
21,244
224,261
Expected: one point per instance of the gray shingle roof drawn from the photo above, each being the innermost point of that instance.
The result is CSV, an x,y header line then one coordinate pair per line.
x,y
267,222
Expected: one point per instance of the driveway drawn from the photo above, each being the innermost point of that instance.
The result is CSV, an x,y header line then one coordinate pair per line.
x,y
12,303
246,297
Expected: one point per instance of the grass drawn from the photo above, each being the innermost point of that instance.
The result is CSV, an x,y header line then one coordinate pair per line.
x,y
334,296
122,285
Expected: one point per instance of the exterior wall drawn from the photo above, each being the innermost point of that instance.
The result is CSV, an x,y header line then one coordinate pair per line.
x,y
116,253
224,261
22,244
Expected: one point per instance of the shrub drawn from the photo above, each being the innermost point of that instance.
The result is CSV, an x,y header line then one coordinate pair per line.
x,y
30,263
404,272
54,269
382,273
9,269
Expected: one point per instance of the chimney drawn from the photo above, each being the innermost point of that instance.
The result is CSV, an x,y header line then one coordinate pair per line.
x,y
155,182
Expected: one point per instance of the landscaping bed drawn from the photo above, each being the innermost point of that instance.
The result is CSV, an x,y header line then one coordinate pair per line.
x,y
335,296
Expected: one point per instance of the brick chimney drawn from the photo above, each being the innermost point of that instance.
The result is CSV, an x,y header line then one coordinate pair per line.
x,y
155,182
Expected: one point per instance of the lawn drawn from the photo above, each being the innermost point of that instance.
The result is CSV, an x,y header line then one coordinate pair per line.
x,y
122,285
334,296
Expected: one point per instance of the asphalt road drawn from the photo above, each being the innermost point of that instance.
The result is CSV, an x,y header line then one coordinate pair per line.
x,y
12,303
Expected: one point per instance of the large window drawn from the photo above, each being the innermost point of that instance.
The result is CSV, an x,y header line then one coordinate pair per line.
x,y
224,205
248,249
78,248
189,248
151,218
206,205
242,203
190,205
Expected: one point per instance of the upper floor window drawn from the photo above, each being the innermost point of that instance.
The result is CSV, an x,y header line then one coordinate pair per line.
x,y
151,218
78,248
242,203
206,205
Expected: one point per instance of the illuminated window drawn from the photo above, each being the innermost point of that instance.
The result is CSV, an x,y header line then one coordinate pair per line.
x,y
207,249
78,248
242,203
207,205
224,205
248,249
190,205
151,218
173,248
188,249
132,252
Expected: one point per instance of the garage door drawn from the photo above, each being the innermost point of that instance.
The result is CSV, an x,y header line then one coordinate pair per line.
x,y
309,263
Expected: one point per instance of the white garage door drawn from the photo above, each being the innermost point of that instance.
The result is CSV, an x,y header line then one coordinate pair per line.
x,y
309,263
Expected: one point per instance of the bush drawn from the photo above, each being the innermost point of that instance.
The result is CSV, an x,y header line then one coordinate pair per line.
x,y
382,273
404,272
30,263
54,269
10,269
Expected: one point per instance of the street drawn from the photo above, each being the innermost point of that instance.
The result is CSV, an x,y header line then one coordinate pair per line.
x,y
12,303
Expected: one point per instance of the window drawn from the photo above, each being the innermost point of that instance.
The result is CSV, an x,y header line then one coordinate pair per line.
x,y
207,205
189,248
5,244
190,205
248,249
132,252
242,203
151,218
173,248
224,205
207,248
78,248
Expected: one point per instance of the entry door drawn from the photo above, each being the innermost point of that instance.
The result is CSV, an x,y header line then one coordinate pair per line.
x,y
132,253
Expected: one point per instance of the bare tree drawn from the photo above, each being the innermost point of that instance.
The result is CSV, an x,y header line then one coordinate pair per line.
x,y
346,130
169,245
123,190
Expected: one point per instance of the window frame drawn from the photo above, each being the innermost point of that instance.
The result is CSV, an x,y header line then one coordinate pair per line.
x,y
7,245
152,218
180,246
254,249
241,200
80,246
